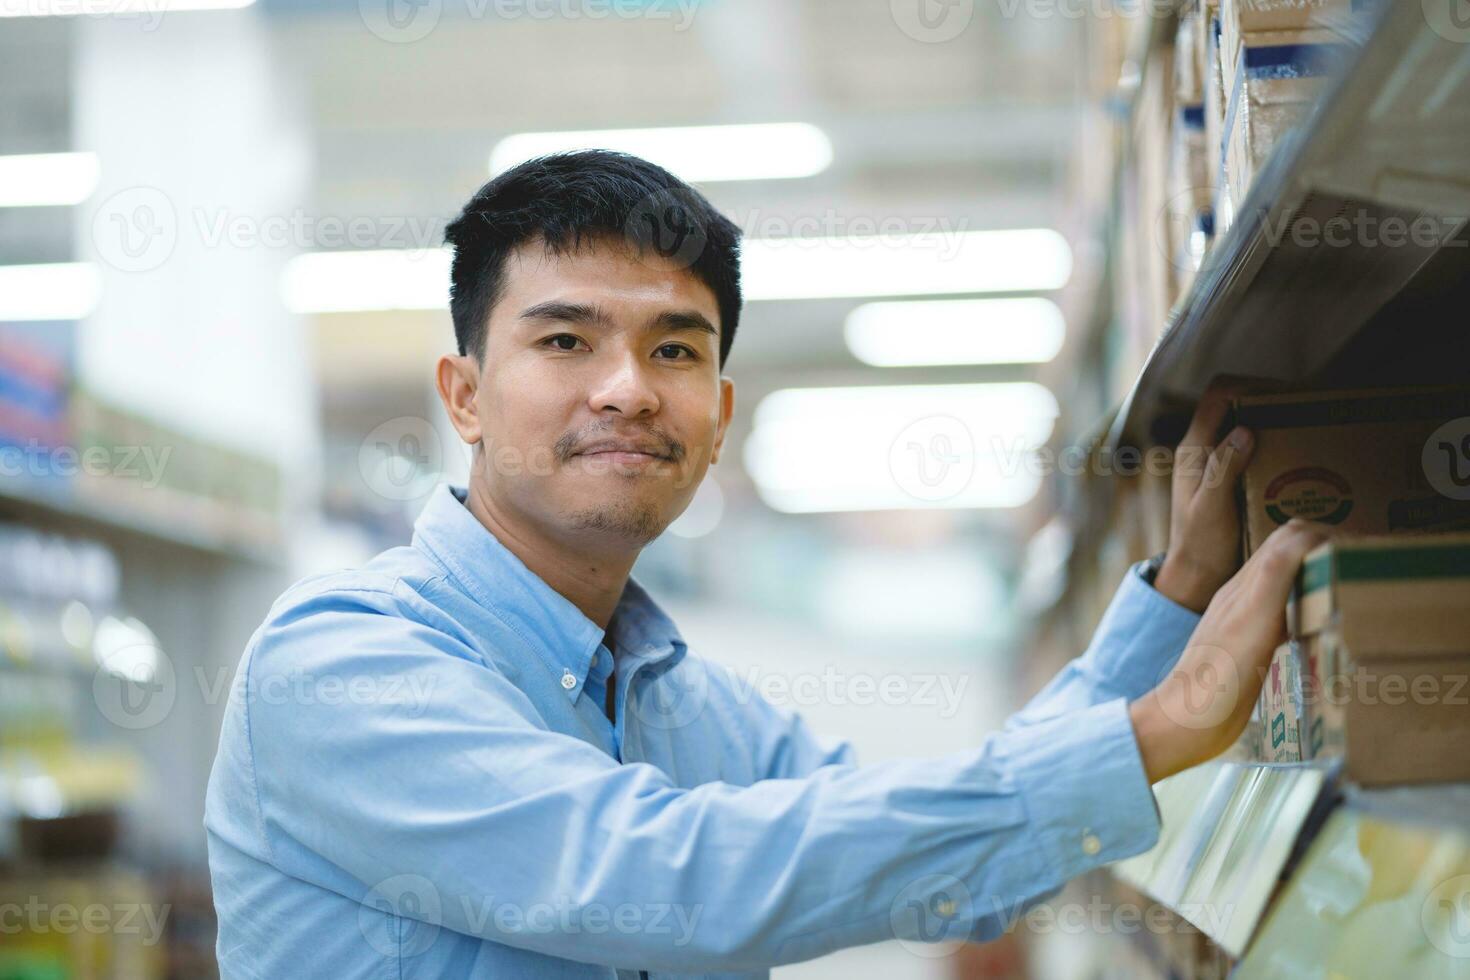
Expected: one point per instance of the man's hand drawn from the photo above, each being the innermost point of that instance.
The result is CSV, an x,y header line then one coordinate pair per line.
x,y
1204,525
1202,706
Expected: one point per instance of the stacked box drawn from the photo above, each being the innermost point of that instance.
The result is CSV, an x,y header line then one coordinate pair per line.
x,y
1385,622
1276,56
1191,222
1363,460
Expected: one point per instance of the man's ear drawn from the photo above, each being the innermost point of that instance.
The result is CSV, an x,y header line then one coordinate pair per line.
x,y
727,411
457,377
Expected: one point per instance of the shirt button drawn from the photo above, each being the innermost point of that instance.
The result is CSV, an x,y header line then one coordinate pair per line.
x,y
1090,844
568,680
594,661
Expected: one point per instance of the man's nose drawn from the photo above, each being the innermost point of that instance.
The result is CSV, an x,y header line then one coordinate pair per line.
x,y
625,388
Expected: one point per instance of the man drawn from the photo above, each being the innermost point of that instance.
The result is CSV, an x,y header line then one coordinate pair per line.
x,y
535,778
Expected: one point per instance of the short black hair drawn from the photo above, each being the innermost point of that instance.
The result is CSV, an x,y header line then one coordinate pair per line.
x,y
565,199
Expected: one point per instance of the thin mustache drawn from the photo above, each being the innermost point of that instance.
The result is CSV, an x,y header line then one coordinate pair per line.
x,y
566,446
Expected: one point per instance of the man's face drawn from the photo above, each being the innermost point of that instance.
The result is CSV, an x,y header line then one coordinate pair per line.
x,y
599,403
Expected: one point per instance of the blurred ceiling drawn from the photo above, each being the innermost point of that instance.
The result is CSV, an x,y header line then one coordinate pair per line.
x,y
979,131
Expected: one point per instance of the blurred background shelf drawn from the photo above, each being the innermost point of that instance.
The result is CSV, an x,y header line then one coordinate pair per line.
x,y
223,536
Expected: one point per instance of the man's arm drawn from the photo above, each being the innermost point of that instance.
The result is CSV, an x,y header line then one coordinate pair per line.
x,y
467,789
1146,627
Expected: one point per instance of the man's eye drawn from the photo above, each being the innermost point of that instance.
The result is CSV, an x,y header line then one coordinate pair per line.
x,y
562,341
677,348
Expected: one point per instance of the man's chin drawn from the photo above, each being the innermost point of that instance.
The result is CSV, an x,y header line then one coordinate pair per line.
x,y
634,522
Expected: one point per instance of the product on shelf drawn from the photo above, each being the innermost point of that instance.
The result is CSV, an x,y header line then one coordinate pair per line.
x,y
1374,897
1281,708
1386,621
1369,462
1275,57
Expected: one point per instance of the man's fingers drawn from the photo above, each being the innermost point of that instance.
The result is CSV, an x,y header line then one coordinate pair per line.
x,y
1207,418
1226,463
1280,557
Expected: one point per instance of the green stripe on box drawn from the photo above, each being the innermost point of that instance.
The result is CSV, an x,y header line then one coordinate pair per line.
x,y
1408,562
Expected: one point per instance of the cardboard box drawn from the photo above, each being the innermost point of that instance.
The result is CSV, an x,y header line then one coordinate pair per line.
x,y
1241,17
1354,459
1281,708
1388,622
1273,80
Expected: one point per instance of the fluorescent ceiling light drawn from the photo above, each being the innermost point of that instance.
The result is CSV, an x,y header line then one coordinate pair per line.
x,y
699,154
899,447
39,179
103,8
1024,260
956,331
62,291
387,279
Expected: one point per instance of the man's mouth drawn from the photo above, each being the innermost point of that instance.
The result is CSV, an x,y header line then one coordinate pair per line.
x,y
625,451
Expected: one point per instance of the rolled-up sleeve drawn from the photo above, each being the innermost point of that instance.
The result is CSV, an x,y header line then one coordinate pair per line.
x,y
463,788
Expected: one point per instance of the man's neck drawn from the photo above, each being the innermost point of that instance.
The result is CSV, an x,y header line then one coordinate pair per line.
x,y
591,582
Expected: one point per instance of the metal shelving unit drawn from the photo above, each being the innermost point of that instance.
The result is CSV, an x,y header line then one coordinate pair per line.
x,y
1276,301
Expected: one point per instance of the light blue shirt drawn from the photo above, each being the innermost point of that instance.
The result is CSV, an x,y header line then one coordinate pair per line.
x,y
417,778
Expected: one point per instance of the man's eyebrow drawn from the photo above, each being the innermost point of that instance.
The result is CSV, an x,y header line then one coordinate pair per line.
x,y
685,320
556,309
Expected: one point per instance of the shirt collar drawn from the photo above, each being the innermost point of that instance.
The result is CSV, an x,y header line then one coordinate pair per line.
x,y
551,624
